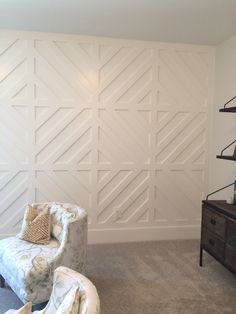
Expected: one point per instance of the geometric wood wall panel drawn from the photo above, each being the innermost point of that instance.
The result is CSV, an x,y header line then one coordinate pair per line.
x,y
119,127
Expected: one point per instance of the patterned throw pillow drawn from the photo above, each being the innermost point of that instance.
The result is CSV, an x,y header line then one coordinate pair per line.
x,y
36,225
70,304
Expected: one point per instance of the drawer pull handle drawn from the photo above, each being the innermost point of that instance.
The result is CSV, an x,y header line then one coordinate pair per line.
x,y
213,222
212,242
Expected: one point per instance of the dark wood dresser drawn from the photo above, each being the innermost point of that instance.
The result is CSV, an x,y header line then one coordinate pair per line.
x,y
218,232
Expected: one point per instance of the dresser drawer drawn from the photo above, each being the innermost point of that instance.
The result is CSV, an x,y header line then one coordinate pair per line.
x,y
213,244
231,233
230,257
214,222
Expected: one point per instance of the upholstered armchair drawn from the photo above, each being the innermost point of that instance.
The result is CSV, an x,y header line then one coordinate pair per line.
x,y
28,268
86,300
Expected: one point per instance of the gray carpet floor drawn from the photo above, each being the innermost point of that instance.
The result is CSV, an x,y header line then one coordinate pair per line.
x,y
154,277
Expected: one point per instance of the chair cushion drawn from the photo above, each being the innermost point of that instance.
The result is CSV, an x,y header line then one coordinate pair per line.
x,y
36,225
70,304
26,266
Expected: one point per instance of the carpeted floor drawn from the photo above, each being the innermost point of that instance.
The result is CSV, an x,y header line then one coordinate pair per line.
x,y
154,277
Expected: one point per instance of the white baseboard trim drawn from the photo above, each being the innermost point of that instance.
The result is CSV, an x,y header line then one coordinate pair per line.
x,y
138,234
143,234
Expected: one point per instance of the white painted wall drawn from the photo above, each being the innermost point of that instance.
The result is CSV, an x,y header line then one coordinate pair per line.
x,y
119,127
223,172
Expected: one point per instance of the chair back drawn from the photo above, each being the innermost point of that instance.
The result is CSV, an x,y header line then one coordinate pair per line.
x,y
64,279
61,215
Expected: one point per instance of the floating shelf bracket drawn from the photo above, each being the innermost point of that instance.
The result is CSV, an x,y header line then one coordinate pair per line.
x,y
233,157
219,190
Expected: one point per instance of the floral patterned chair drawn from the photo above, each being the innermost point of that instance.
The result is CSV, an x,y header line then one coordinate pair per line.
x,y
28,268
86,300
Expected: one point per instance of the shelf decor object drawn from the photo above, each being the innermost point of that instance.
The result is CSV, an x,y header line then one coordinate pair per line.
x,y
234,192
234,154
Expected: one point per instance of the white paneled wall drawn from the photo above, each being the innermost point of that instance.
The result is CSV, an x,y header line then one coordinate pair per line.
x,y
119,127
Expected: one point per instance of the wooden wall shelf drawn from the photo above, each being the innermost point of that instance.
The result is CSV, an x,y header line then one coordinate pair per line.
x,y
230,109
226,157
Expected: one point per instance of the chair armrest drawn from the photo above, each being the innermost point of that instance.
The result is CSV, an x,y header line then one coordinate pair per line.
x,y
73,247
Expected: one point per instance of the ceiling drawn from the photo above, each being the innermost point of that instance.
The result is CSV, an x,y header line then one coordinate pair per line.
x,y
185,21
